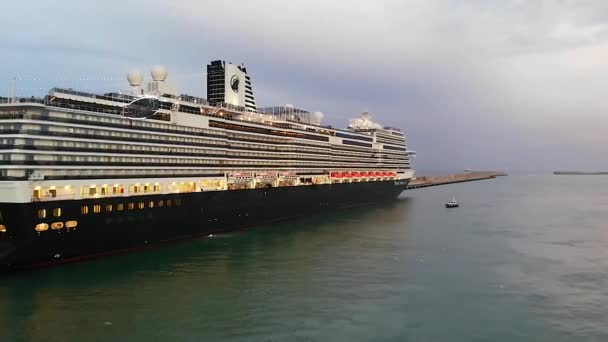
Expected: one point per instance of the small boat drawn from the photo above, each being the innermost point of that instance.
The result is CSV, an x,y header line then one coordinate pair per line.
x,y
452,204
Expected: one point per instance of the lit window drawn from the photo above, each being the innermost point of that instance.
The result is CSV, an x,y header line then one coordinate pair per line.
x,y
109,208
53,192
151,204
146,188
41,213
57,212
36,194
120,207
131,206
104,190
161,203
141,205
97,208
169,203
84,209
2,228
92,191
40,227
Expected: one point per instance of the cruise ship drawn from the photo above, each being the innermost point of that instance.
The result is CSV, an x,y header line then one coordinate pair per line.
x,y
84,175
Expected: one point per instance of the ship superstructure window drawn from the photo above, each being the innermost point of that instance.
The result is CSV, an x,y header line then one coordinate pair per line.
x,y
92,190
161,203
120,207
131,206
141,205
41,213
97,208
117,189
57,212
37,194
151,204
104,190
84,209
108,208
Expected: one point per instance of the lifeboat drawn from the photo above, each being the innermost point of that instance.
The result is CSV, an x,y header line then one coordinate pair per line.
x,y
336,175
363,174
345,175
355,174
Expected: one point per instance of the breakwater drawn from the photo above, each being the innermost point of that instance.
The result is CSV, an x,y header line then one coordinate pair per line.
x,y
427,181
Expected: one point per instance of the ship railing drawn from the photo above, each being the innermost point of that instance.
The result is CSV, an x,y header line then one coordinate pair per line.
x,y
50,197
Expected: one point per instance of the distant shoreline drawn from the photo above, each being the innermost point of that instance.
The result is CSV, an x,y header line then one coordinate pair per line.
x,y
584,173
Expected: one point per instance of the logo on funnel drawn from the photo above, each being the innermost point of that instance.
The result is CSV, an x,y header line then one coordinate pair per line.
x,y
234,83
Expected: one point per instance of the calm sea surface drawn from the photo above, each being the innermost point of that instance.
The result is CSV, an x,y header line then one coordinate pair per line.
x,y
525,258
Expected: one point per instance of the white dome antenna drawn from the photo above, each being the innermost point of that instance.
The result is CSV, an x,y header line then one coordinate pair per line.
x,y
158,73
135,78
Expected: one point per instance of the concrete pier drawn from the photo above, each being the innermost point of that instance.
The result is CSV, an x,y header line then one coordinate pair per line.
x,y
426,181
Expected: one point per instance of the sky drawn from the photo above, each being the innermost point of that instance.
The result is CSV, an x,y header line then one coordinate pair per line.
x,y
482,84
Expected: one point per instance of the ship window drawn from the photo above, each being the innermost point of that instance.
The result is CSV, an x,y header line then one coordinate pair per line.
x,y
141,205
104,190
84,209
146,188
40,227
36,194
109,208
178,202
57,212
169,203
120,207
2,228
131,206
53,192
151,204
161,203
41,213
97,208
92,191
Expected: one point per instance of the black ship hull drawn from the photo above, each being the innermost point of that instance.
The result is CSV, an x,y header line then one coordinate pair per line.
x,y
112,225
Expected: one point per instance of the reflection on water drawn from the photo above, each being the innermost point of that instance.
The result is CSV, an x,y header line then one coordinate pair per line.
x,y
522,259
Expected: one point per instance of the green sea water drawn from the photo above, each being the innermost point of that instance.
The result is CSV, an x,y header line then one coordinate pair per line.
x,y
525,258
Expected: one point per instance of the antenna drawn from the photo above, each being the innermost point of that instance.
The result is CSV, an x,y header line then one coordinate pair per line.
x,y
13,92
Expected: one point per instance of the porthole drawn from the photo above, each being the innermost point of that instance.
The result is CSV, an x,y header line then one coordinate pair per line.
x,y
41,227
57,225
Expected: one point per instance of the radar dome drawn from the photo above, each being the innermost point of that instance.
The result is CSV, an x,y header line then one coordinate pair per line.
x,y
317,117
158,73
135,78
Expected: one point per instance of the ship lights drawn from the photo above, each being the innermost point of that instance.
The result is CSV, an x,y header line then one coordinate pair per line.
x,y
57,225
2,228
71,224
41,227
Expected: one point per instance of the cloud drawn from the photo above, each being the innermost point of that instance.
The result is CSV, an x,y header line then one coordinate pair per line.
x,y
480,84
